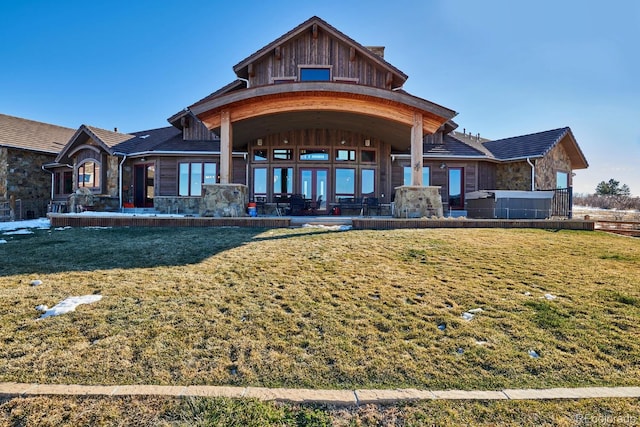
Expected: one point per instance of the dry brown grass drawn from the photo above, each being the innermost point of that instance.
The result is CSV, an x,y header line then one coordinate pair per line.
x,y
301,308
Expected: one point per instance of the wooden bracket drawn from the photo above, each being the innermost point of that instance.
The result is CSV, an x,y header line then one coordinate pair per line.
x,y
251,70
352,54
277,53
314,31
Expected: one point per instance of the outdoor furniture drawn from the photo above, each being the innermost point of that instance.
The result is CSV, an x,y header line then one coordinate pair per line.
x,y
296,205
352,203
372,204
282,204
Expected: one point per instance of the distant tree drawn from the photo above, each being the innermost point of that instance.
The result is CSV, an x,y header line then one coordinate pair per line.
x,y
612,188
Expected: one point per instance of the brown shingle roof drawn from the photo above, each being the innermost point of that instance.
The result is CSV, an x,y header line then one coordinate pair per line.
x,y
31,135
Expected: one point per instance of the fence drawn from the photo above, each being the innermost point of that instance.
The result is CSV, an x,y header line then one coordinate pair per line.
x,y
562,202
22,209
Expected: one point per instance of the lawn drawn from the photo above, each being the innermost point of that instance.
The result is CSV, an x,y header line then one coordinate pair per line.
x,y
319,309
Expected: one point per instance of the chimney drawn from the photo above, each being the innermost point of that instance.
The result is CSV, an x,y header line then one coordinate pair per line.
x,y
378,50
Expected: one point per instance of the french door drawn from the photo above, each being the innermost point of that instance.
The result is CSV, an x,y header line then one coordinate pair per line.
x,y
144,176
314,183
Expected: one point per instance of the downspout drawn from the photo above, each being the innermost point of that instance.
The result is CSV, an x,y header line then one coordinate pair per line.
x,y
124,157
533,175
52,180
244,80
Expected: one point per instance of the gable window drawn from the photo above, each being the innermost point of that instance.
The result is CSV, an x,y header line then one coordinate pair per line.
x,y
89,175
346,155
282,154
562,180
313,74
193,175
260,155
314,154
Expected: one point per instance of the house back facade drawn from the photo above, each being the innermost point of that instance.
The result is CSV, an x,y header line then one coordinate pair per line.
x,y
313,113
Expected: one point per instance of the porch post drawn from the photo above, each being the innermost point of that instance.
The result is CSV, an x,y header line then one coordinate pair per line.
x,y
416,150
226,140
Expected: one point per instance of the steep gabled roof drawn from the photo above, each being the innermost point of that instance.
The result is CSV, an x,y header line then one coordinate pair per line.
x,y
234,85
26,134
105,139
241,68
537,145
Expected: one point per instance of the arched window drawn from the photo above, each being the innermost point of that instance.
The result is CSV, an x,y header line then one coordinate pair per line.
x,y
89,175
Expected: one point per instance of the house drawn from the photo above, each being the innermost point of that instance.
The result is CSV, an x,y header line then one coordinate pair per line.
x,y
315,113
25,145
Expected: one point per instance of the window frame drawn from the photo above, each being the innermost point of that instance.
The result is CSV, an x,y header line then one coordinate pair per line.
x,y
305,67
97,175
189,177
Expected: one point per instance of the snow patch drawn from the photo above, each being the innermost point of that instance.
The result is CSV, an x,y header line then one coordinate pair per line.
x,y
549,297
467,316
41,223
67,305
18,232
36,282
2,241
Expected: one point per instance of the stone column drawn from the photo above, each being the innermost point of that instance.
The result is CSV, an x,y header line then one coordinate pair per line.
x,y
224,200
413,201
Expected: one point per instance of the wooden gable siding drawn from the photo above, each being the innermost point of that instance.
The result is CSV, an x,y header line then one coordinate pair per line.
x,y
321,51
195,130
167,176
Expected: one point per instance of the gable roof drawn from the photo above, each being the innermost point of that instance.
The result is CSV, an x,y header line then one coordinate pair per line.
x,y
105,139
241,68
537,145
26,134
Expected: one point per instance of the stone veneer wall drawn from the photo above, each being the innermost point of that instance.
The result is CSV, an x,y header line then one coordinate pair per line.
x,y
513,176
177,205
557,160
224,200
417,202
110,187
21,176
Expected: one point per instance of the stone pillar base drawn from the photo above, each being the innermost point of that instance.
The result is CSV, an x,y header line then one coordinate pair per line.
x,y
417,202
224,200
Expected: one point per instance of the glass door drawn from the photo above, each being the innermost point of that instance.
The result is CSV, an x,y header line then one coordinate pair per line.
x,y
456,188
314,184
144,185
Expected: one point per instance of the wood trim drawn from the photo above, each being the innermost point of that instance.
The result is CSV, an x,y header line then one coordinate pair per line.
x,y
323,102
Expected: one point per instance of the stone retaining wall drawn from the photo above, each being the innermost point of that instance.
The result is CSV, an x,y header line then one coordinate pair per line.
x,y
224,200
417,202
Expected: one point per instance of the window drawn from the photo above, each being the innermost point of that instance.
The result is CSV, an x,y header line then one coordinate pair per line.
x,y
260,181
315,74
283,154
282,181
191,176
260,155
367,181
367,156
562,180
426,181
314,154
346,155
345,182
63,182
89,175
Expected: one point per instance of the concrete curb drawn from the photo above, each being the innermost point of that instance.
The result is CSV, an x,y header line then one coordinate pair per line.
x,y
333,397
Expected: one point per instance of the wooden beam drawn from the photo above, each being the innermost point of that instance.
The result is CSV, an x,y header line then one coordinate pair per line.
x,y
389,79
352,54
314,31
416,150
251,70
277,52
322,102
226,147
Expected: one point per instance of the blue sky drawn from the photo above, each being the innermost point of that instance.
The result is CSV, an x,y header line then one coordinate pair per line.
x,y
507,67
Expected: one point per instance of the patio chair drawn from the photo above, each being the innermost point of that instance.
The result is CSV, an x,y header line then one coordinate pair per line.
x,y
296,205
